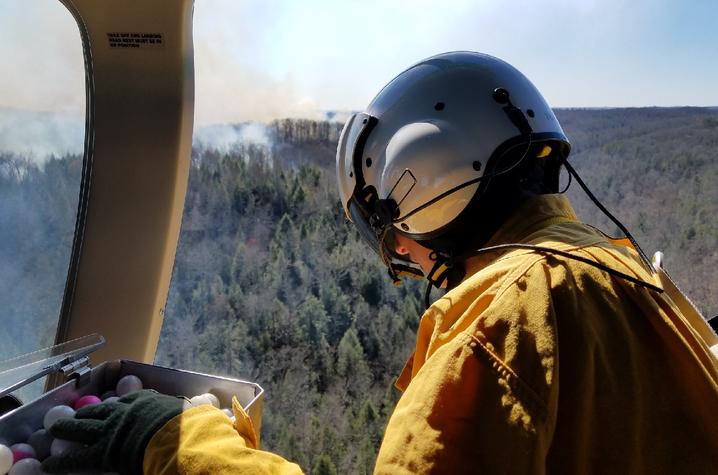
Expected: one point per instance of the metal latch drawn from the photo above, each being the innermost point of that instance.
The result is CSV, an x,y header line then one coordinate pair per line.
x,y
78,369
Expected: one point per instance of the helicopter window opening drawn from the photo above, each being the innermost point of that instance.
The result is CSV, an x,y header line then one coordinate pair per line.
x,y
42,120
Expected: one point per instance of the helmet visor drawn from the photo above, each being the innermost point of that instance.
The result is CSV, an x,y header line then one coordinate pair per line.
x,y
360,218
360,206
382,240
351,147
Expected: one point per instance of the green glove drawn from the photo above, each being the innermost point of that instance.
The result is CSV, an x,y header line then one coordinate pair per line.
x,y
115,434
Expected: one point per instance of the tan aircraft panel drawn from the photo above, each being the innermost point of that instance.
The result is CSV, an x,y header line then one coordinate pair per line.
x,y
139,58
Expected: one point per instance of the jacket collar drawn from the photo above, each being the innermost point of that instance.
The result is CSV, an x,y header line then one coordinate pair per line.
x,y
533,215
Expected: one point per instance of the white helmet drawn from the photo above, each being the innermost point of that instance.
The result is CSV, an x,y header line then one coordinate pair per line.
x,y
418,161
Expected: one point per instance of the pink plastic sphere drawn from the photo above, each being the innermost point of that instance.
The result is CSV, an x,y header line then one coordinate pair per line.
x,y
22,451
86,400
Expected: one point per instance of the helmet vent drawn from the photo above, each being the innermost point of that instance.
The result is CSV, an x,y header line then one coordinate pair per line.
x,y
368,162
439,106
530,113
501,95
404,226
476,165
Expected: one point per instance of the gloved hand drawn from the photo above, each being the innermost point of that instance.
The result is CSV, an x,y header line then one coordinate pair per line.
x,y
115,434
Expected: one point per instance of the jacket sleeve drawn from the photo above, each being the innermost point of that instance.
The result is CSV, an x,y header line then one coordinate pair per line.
x,y
202,440
467,410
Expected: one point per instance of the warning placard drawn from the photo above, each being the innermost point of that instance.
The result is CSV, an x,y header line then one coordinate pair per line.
x,y
135,40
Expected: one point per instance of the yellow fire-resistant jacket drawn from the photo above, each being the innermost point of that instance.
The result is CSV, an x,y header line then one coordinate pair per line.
x,y
536,363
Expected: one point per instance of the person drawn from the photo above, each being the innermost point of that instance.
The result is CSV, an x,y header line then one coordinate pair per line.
x,y
554,349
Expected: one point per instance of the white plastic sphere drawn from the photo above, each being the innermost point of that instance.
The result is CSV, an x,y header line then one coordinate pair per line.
x,y
55,413
128,384
111,399
107,394
229,412
27,467
206,398
60,446
198,400
212,399
5,458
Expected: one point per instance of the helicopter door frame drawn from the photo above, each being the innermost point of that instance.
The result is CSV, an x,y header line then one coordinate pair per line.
x,y
139,71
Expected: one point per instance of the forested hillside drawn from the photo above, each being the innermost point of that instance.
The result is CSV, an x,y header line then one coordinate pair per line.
x,y
272,285
656,169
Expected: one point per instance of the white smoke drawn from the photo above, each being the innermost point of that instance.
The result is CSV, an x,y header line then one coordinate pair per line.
x,y
42,95
40,135
41,57
225,137
232,83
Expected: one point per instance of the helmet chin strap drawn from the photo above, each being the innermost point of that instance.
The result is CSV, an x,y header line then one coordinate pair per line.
x,y
446,271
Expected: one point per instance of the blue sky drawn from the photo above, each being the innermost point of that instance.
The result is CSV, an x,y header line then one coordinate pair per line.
x,y
271,58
